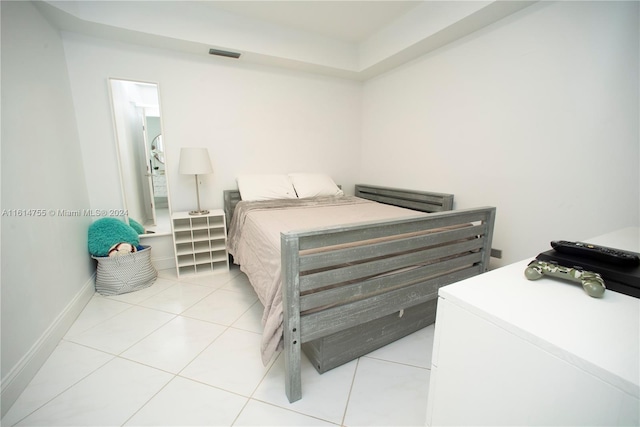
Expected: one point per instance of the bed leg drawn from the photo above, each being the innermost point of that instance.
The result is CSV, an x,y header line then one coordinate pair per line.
x,y
293,379
291,320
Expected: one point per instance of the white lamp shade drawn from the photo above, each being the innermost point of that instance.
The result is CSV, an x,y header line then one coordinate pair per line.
x,y
195,161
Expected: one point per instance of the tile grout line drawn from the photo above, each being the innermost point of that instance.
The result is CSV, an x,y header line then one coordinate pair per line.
x,y
397,363
148,400
353,381
69,387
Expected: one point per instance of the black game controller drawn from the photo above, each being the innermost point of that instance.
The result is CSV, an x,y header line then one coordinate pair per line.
x,y
592,283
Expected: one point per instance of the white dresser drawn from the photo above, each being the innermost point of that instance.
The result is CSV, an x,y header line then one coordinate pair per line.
x,y
509,351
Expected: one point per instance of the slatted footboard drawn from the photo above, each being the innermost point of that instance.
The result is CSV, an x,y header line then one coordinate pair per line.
x,y
350,278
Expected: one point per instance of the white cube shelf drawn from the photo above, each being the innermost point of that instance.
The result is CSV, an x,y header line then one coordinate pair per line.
x,y
200,242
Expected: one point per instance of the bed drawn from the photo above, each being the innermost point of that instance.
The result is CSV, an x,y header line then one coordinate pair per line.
x,y
343,288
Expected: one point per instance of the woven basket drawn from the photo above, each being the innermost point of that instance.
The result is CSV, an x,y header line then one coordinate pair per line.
x,y
125,273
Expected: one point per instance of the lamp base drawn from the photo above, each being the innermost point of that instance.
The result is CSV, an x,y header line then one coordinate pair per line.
x,y
198,212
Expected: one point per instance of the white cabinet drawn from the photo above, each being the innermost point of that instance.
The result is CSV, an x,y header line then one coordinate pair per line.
x,y
509,351
200,242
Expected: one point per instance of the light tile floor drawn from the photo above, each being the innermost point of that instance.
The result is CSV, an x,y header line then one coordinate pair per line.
x,y
186,352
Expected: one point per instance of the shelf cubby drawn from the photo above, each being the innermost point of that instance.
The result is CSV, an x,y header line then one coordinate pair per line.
x,y
200,242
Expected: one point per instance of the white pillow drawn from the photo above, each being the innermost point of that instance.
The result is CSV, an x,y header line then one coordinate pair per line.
x,y
314,185
265,187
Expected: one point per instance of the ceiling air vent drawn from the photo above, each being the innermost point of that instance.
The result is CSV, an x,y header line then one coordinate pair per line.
x,y
226,53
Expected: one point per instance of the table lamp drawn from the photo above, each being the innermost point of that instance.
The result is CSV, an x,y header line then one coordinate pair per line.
x,y
195,161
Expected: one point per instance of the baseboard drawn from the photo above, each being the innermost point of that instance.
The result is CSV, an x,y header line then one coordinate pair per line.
x,y
23,372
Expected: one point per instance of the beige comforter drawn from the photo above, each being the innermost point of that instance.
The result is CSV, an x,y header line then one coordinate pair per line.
x,y
254,242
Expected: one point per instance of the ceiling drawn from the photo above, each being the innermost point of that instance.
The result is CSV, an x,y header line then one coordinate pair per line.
x,y
354,39
350,21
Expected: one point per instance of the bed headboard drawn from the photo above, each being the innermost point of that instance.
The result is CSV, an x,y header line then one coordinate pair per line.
x,y
424,201
231,199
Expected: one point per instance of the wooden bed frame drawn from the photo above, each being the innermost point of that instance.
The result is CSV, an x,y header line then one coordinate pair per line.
x,y
336,309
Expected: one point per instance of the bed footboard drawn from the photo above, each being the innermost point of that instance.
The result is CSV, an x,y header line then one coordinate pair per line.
x,y
340,278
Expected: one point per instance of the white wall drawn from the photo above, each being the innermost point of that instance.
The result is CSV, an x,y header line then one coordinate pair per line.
x,y
46,267
252,118
536,115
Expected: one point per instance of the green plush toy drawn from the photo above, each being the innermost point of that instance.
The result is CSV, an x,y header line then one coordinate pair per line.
x,y
136,226
106,232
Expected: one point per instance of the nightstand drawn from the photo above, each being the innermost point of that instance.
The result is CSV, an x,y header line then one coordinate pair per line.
x,y
200,242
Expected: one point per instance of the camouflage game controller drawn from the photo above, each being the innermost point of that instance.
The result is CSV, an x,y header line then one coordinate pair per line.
x,y
592,283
